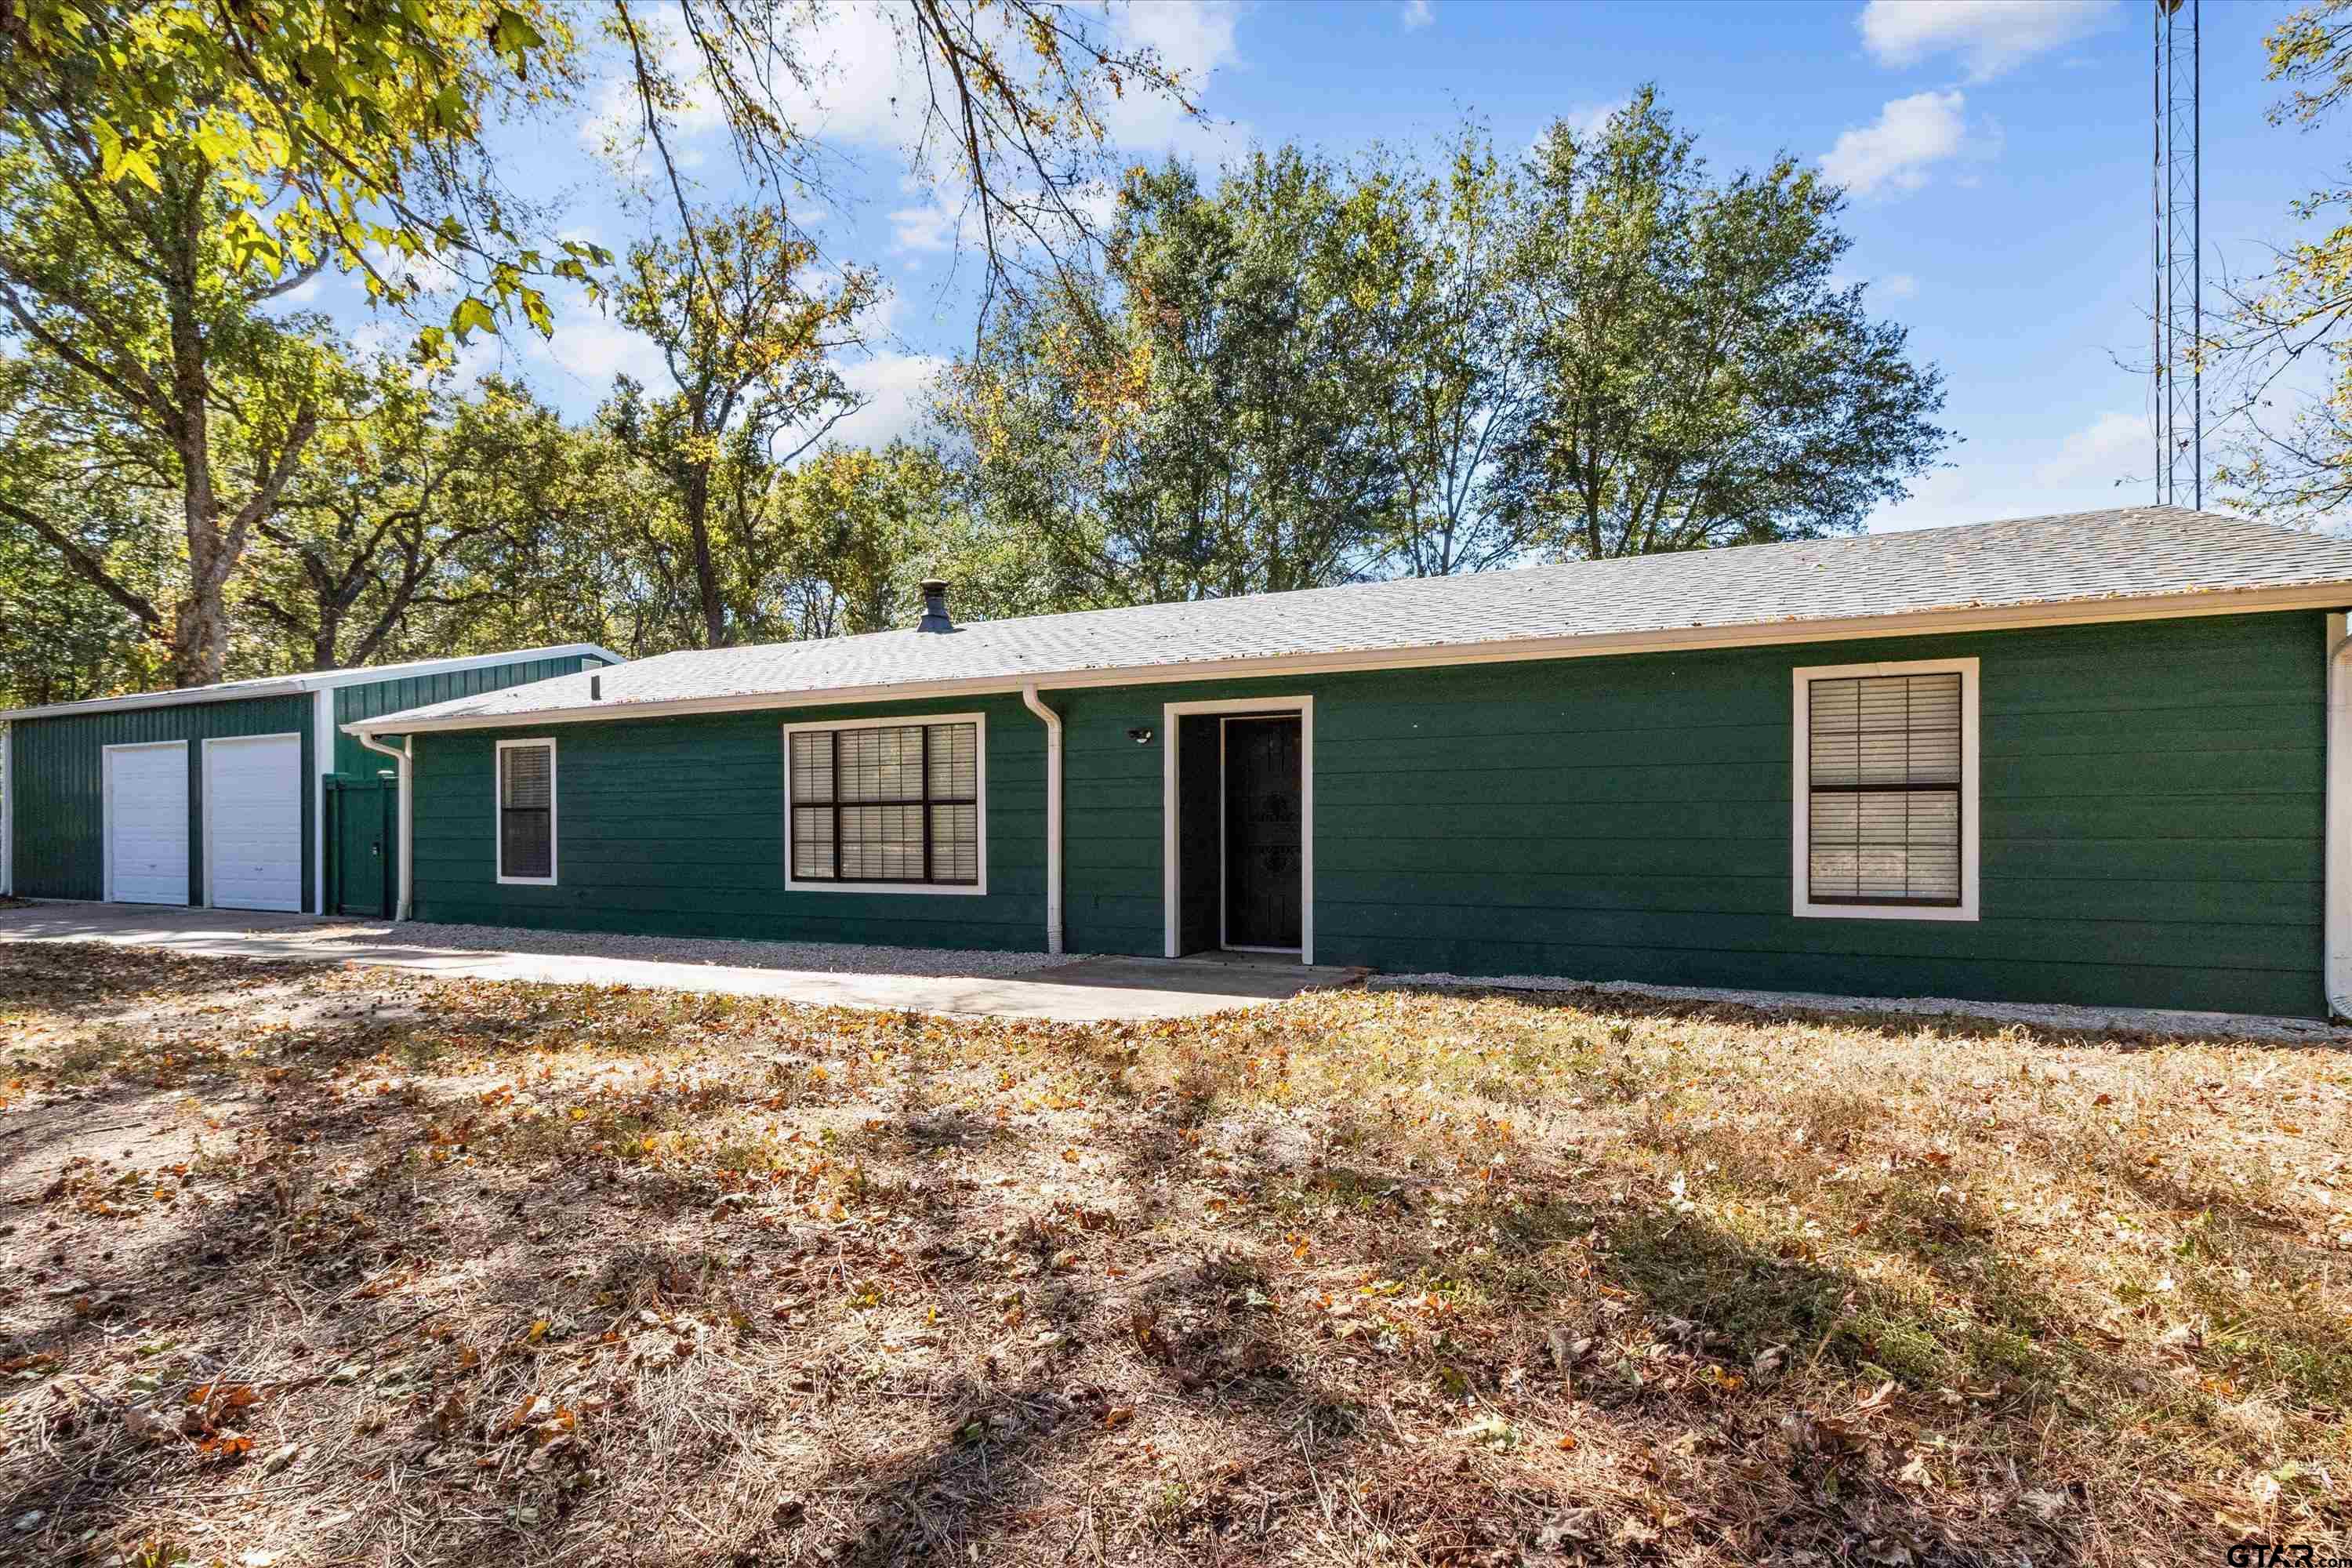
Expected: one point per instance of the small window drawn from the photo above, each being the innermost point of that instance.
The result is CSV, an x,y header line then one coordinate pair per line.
x,y
527,811
1885,810
886,806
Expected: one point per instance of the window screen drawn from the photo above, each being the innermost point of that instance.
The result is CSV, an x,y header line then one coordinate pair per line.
x,y
527,811
1885,826
893,804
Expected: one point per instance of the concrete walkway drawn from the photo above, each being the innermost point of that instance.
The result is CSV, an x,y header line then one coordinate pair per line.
x,y
1091,990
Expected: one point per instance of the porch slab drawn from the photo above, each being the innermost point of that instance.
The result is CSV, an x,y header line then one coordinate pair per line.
x,y
1084,990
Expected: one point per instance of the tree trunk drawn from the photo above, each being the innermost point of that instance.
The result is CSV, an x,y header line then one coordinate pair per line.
x,y
200,629
706,567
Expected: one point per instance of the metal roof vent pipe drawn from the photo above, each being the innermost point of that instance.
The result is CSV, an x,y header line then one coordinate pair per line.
x,y
935,607
595,689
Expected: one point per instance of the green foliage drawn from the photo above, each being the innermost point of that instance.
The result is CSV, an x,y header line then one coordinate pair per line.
x,y
1309,373
167,169
60,638
326,131
1205,418
1462,392
1293,372
747,346
863,528
1700,377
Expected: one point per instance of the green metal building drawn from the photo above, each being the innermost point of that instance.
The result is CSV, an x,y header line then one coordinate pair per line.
x,y
247,795
2098,758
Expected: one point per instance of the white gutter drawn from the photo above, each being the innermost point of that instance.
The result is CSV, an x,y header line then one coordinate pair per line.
x,y
1053,722
403,756
2337,974
322,762
1430,656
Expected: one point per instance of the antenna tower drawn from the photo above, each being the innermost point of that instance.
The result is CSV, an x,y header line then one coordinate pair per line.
x,y
2180,316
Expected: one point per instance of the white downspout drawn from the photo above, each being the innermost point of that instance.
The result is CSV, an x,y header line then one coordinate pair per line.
x,y
2338,975
1053,722
8,810
402,756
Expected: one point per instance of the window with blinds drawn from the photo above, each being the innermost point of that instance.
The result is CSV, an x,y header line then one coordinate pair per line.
x,y
527,811
1885,817
886,803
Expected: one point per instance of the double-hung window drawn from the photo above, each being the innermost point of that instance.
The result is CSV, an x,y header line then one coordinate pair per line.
x,y
1885,822
887,805
527,812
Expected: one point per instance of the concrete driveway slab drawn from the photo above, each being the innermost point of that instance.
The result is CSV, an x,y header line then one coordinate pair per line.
x,y
1090,990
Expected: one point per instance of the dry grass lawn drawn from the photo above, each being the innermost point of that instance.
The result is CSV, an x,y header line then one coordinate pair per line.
x,y
308,1265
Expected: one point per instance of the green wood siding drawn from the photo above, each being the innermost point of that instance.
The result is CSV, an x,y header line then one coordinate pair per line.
x,y
376,697
2153,802
59,763
676,827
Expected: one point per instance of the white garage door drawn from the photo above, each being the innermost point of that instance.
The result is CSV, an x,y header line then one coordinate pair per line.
x,y
147,823
253,823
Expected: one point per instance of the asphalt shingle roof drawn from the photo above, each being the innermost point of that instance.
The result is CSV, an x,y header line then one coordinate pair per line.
x,y
2071,558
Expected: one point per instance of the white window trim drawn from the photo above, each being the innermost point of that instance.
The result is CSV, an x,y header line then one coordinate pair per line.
x,y
498,816
978,889
1800,794
1171,870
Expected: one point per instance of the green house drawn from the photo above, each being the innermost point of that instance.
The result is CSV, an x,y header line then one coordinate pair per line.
x,y
2096,758
244,795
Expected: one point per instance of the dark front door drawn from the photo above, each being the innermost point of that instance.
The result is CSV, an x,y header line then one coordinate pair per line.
x,y
1263,845
360,845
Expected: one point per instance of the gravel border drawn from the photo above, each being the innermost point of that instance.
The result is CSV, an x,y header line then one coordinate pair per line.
x,y
820,957
2163,1023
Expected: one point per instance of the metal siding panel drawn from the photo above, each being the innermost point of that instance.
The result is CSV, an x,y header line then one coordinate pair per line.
x,y
60,834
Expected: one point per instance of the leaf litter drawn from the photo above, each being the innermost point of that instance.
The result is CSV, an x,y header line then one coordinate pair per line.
x,y
309,1263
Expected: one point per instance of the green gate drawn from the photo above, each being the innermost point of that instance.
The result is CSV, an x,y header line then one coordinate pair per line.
x,y
362,837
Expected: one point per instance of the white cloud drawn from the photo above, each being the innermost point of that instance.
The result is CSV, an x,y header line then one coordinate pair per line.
x,y
590,349
1990,37
1896,152
1196,39
2110,448
940,222
425,273
1418,14
2104,463
863,88
306,292
858,89
1896,286
896,388
1590,119
617,115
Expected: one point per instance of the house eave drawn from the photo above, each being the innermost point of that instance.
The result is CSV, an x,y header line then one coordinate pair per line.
x,y
1964,618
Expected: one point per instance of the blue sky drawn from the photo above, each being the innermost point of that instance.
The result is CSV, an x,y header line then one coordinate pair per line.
x,y
1997,154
